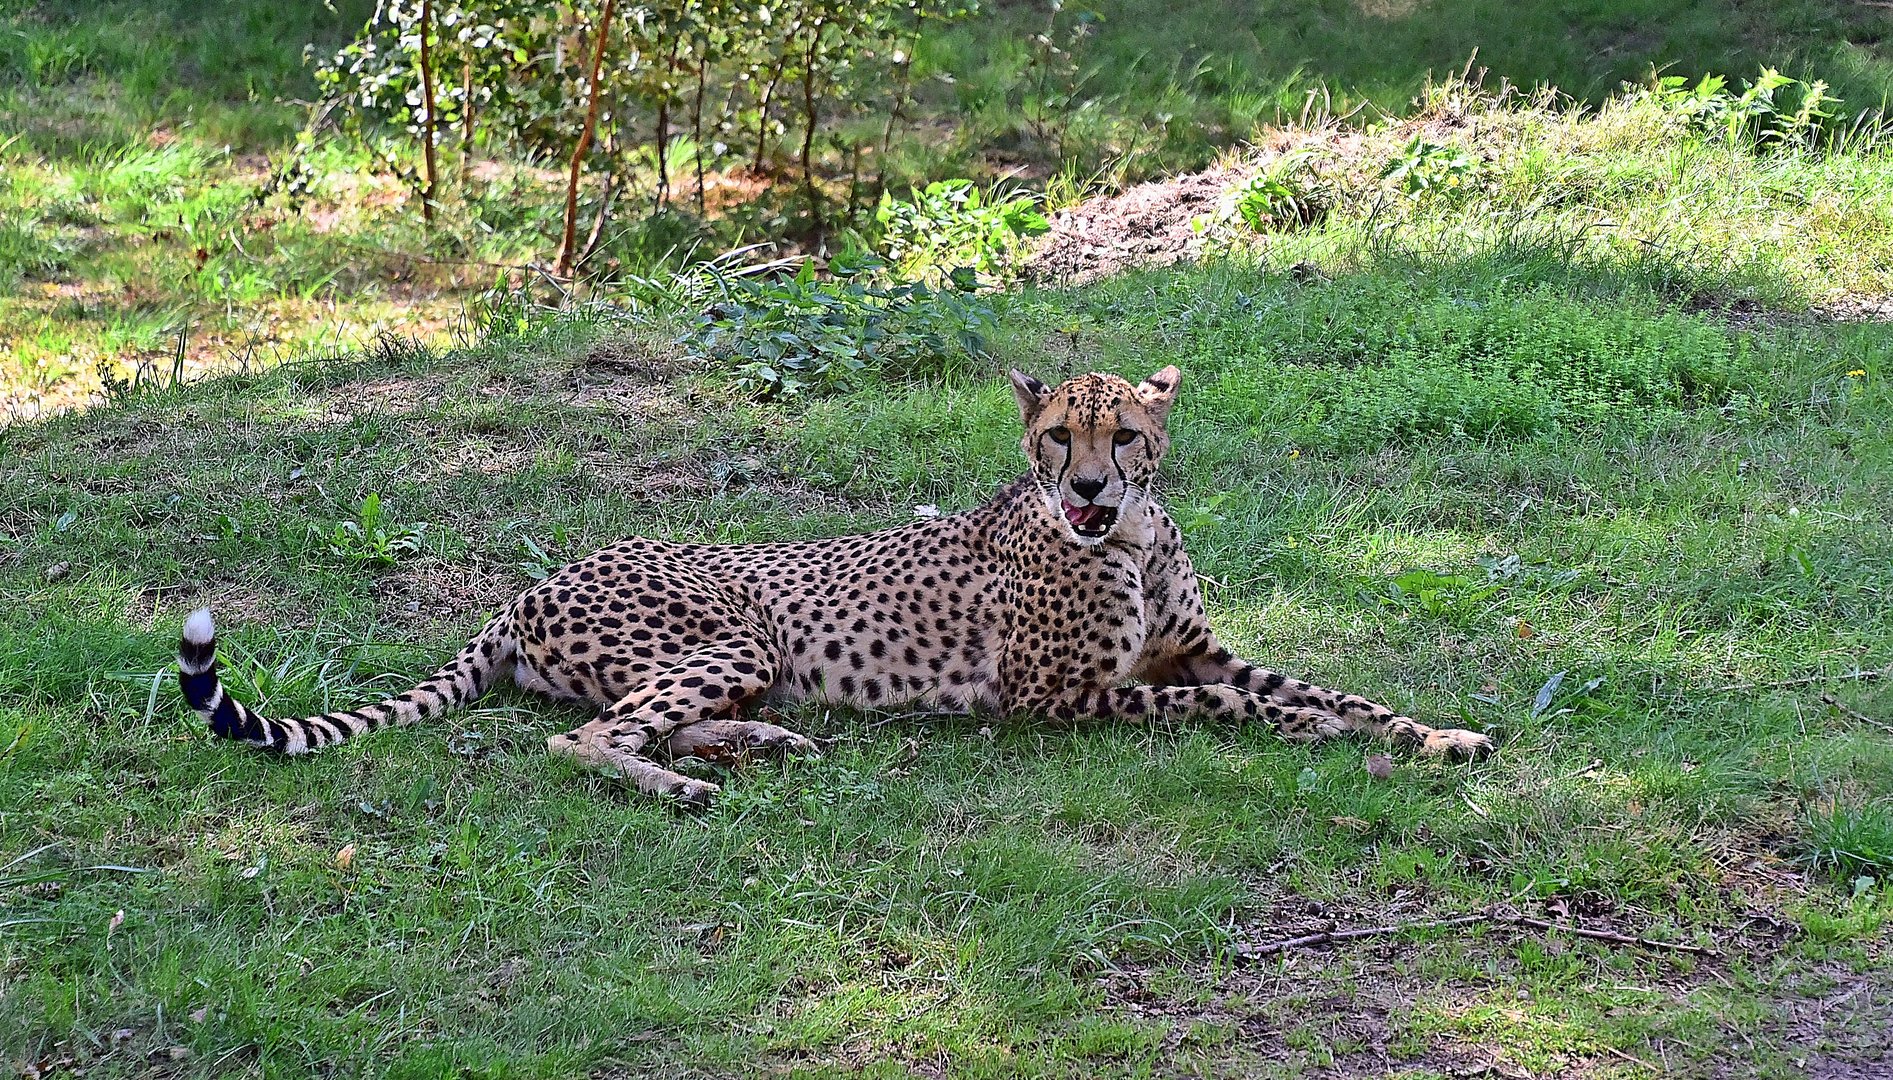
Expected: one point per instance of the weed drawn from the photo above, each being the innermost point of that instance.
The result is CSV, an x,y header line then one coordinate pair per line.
x,y
1285,194
371,539
950,225
781,338
1772,110
542,560
1453,597
1425,167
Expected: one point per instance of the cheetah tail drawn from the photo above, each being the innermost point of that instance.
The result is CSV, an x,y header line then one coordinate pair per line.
x,y
459,683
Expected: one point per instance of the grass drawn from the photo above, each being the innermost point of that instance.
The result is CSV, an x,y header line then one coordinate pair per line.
x,y
985,897
144,233
1153,89
1577,455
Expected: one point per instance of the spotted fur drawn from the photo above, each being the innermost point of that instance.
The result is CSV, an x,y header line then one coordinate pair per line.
x,y
1068,594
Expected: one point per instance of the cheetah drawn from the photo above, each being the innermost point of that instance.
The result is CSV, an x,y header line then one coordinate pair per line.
x,y
1068,594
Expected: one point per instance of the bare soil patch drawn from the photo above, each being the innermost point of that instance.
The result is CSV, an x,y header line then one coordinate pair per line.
x,y
1373,1007
1844,1032
1148,225
446,593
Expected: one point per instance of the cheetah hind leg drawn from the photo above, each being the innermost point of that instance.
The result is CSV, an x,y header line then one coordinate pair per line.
x,y
595,745
705,685
735,742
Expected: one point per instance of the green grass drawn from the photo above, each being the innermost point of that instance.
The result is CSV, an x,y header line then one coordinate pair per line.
x,y
1585,433
144,230
1167,85
985,897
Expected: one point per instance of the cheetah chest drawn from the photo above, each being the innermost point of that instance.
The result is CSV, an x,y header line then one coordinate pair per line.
x,y
1074,623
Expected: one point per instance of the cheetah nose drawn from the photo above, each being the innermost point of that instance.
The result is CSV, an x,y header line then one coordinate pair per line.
x,y
1087,489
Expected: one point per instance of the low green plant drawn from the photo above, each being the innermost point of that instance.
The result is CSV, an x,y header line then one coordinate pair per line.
x,y
1773,109
797,334
29,249
1424,167
540,560
949,224
1849,842
371,539
1282,196
1453,597
1506,363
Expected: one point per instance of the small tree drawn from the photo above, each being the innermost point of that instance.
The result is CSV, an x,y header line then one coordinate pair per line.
x,y
593,83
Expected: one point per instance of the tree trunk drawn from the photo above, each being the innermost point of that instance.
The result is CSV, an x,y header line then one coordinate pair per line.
x,y
663,130
854,181
466,126
568,242
808,133
696,117
427,115
762,115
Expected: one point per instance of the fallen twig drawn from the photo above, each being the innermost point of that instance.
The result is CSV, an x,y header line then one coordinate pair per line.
x,y
1805,680
1329,937
1326,937
1632,1058
1603,935
1855,714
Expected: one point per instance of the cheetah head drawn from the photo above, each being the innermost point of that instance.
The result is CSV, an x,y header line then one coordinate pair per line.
x,y
1094,442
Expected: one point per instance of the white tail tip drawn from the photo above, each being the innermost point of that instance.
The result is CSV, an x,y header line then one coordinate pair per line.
x,y
200,628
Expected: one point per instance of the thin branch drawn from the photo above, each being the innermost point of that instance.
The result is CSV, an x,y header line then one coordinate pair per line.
x,y
1805,680
1604,935
1855,714
568,242
696,116
598,223
1329,937
466,126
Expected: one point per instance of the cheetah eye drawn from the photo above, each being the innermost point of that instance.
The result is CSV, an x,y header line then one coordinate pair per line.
x,y
1125,437
1060,435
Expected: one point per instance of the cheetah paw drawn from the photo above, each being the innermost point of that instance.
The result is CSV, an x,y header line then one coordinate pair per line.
x,y
693,794
1455,742
789,743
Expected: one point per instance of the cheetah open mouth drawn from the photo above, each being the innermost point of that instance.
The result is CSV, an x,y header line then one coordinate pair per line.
x,y
1090,521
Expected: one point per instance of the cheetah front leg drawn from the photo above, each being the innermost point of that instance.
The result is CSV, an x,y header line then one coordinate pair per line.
x,y
715,680
1340,713
1144,701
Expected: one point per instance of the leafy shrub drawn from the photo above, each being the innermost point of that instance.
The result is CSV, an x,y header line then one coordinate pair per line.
x,y
949,225
799,334
372,540
1774,109
1424,166
1281,196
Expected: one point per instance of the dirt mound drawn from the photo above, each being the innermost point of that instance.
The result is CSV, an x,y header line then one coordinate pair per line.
x,y
1148,225
1151,223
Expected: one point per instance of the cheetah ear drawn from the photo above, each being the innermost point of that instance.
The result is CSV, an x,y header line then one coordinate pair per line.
x,y
1031,394
1159,391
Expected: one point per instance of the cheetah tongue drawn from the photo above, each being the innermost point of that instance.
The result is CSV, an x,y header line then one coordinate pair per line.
x,y
1084,517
